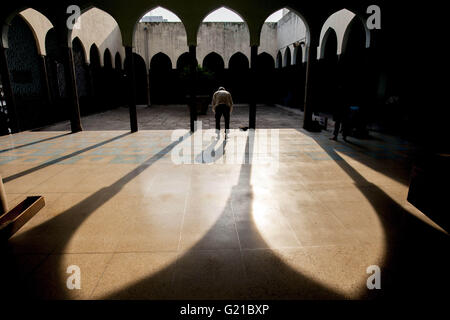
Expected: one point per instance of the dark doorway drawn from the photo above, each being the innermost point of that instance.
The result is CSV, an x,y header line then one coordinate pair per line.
x,y
238,77
162,82
108,81
265,68
213,63
27,78
96,81
56,78
140,73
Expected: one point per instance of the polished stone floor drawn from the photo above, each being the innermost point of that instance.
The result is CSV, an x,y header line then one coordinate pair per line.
x,y
279,213
171,117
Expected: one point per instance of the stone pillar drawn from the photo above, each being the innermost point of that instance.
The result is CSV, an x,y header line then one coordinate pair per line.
x,y
92,91
3,201
252,107
311,63
131,84
192,86
7,89
65,53
71,89
148,89
45,81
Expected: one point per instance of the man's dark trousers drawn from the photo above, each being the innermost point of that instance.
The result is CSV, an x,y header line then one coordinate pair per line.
x,y
223,109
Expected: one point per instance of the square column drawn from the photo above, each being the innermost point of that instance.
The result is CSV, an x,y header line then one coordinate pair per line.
x,y
131,84
252,107
311,63
192,103
71,88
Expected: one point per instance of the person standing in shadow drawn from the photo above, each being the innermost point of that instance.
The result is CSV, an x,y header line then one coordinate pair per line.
x,y
340,114
222,104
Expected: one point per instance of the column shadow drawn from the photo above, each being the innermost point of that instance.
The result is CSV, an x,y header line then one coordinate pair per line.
x,y
371,155
35,142
49,236
282,282
60,159
406,236
414,262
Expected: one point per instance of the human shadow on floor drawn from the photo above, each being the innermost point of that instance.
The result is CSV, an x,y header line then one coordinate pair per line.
x,y
215,267
211,153
269,278
272,278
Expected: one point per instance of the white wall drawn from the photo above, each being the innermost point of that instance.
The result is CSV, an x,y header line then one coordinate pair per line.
x,y
268,38
291,28
224,38
99,28
166,37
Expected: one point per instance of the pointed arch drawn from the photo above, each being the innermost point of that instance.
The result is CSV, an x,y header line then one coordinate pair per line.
x,y
137,25
55,70
287,57
52,48
216,9
297,57
22,57
26,76
265,61
356,31
238,61
279,60
81,48
208,32
162,80
329,43
160,61
213,62
343,21
237,77
39,25
78,48
183,61
304,35
118,61
79,61
107,59
141,78
94,56
109,36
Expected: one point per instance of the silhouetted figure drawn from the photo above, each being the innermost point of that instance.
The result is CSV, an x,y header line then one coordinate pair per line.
x,y
340,114
222,104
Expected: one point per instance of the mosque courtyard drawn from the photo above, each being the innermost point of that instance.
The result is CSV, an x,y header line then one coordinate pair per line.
x,y
272,213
